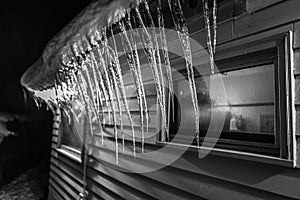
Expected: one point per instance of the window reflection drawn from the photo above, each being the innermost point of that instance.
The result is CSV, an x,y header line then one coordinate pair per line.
x,y
72,127
249,103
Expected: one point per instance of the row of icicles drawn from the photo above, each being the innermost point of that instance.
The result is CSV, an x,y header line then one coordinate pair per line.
x,y
91,69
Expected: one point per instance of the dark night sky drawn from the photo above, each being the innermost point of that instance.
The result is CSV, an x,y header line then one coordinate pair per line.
x,y
25,29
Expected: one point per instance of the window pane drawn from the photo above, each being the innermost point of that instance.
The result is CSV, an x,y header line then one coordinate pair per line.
x,y
249,106
250,99
71,130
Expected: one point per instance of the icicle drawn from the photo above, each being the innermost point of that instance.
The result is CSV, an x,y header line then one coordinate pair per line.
x,y
98,91
111,67
151,26
111,94
211,47
85,71
100,79
93,100
105,94
89,88
183,34
136,62
139,72
50,106
37,102
74,116
90,99
94,82
67,115
105,89
25,96
122,90
215,25
56,92
131,62
64,97
150,53
165,51
83,88
82,85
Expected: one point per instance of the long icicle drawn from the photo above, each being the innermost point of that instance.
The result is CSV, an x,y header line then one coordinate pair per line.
x,y
111,94
87,64
151,26
100,51
149,51
83,194
84,88
165,51
82,85
105,95
139,72
183,34
215,25
101,83
129,55
91,86
209,38
98,91
111,67
122,89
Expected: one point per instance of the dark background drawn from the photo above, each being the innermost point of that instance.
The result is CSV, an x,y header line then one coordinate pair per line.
x,y
25,28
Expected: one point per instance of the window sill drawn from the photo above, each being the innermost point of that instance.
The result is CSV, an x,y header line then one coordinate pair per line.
x,y
235,154
72,153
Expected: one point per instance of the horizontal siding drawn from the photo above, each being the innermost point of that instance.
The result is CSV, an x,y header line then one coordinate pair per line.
x,y
265,177
276,15
189,177
53,195
177,181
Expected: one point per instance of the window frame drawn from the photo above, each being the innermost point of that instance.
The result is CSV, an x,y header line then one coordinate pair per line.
x,y
253,61
281,39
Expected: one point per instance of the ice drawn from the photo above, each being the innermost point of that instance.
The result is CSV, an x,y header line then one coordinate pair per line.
x,y
165,52
211,46
149,50
136,61
183,34
121,89
110,88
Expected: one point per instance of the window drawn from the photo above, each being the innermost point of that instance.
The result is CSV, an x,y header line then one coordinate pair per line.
x,y
256,104
71,132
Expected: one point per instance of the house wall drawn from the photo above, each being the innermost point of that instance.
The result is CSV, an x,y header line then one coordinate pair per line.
x,y
213,177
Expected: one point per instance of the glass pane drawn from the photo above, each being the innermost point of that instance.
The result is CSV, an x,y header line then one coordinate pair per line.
x,y
71,130
249,103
